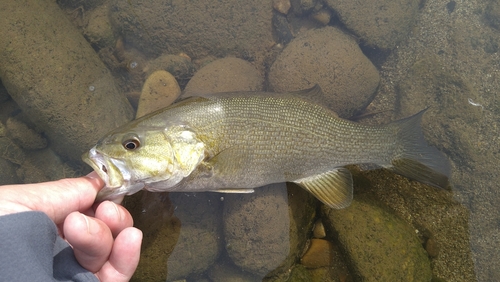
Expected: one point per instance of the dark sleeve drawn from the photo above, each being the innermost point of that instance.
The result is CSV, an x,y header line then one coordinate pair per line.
x,y
31,250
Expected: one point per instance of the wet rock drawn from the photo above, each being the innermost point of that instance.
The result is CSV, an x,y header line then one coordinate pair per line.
x,y
282,6
179,66
322,16
159,90
65,89
24,136
266,231
50,164
80,4
199,241
256,228
381,24
153,215
333,60
281,29
379,245
492,13
207,27
224,75
4,95
319,254
11,152
182,233
7,172
299,273
98,31
434,215
226,272
319,229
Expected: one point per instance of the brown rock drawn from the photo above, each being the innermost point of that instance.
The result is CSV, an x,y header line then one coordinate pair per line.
x,y
319,254
24,136
57,78
381,24
332,59
224,75
159,90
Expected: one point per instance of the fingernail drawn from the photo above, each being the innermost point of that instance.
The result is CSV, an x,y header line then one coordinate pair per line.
x,y
92,226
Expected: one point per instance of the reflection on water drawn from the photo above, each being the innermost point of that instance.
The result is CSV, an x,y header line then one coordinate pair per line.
x,y
65,68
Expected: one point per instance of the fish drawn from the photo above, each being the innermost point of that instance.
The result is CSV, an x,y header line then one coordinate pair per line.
x,y
236,142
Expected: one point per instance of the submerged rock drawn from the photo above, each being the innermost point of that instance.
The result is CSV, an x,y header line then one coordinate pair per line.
x,y
379,245
332,59
210,27
381,24
65,89
266,231
224,75
159,91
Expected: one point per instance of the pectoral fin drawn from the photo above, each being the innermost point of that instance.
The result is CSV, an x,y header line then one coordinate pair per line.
x,y
333,188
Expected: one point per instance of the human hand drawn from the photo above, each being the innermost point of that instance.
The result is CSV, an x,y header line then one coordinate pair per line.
x,y
102,237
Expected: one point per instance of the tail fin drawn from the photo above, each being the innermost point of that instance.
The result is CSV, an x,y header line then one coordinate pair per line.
x,y
414,158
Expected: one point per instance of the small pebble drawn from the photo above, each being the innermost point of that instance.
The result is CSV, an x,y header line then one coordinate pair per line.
x,y
432,247
282,6
322,16
319,229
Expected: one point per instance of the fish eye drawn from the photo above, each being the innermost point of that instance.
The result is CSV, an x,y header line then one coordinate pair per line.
x,y
131,144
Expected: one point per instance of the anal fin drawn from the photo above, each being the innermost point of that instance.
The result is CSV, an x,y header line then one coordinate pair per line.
x,y
333,188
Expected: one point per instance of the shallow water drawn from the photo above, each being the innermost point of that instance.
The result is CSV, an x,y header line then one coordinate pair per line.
x,y
442,55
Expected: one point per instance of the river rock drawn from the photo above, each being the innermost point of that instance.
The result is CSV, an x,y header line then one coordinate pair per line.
x,y
380,24
439,220
98,30
24,136
182,233
159,90
7,172
332,59
198,28
199,242
379,245
179,66
56,78
224,75
319,254
265,231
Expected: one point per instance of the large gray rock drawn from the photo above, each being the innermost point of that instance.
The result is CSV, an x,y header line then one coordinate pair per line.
x,y
265,231
381,24
182,233
333,60
56,78
198,27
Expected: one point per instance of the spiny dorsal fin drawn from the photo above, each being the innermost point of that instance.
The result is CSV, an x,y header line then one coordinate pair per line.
x,y
333,188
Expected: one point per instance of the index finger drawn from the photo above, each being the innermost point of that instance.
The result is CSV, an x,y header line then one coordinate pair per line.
x,y
57,199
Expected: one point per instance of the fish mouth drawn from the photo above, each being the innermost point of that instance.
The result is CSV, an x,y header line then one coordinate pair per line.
x,y
114,175
98,163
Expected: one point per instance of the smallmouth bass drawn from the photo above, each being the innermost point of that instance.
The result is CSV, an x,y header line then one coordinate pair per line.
x,y
235,142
